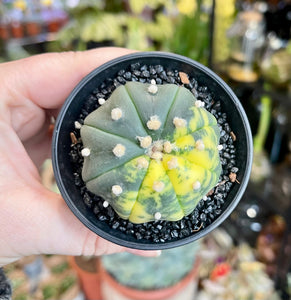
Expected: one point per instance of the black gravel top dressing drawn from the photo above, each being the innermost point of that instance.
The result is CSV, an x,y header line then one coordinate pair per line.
x,y
209,208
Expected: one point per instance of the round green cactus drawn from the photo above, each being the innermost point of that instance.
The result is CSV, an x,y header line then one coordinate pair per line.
x,y
151,152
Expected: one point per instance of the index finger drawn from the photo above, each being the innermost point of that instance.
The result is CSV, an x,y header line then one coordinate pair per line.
x,y
47,79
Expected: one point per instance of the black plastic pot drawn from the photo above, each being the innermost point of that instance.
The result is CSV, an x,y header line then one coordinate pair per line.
x,y
71,111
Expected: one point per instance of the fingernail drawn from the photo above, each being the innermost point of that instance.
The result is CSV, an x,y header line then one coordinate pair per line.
x,y
151,253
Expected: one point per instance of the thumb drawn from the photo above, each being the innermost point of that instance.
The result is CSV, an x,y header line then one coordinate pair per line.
x,y
47,79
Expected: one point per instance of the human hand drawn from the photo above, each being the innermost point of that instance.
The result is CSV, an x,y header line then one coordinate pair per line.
x,y
34,220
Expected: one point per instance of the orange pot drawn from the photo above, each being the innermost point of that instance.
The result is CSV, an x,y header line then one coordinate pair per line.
x,y
33,28
89,279
110,284
17,30
4,32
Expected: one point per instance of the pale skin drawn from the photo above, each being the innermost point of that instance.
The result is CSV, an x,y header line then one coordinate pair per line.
x,y
33,219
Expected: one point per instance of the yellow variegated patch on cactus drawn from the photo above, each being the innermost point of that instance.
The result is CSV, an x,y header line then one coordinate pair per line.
x,y
151,152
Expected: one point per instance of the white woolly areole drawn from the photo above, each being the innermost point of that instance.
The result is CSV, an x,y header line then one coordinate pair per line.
x,y
154,123
101,101
77,125
116,190
158,186
157,146
153,89
199,103
142,163
105,204
172,163
157,155
219,147
179,122
145,142
119,150
196,185
168,147
116,113
158,215
85,152
204,198
199,145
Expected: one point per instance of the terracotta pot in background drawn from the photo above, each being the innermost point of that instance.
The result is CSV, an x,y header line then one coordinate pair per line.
x,y
4,32
54,25
33,28
185,289
17,30
88,272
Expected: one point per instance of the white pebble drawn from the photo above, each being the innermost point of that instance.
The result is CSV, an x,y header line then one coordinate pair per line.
x,y
119,150
116,190
204,198
199,103
116,114
85,152
158,186
196,185
154,123
78,125
142,163
172,163
219,147
101,101
158,215
199,145
153,89
179,122
153,82
145,142
105,204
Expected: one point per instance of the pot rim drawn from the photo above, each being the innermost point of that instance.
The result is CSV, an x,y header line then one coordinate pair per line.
x,y
151,245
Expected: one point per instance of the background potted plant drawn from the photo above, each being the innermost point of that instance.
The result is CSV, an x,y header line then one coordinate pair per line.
x,y
172,275
88,271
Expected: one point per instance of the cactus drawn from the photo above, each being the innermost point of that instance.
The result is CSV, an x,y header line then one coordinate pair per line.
x,y
152,273
150,151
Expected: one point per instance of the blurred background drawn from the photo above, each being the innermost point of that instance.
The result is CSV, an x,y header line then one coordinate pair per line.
x,y
248,44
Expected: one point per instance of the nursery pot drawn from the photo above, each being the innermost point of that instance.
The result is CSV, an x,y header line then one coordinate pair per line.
x,y
112,289
89,279
71,110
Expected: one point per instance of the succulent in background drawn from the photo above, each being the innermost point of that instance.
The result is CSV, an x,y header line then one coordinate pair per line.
x,y
224,17
146,25
277,67
150,151
150,273
135,24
